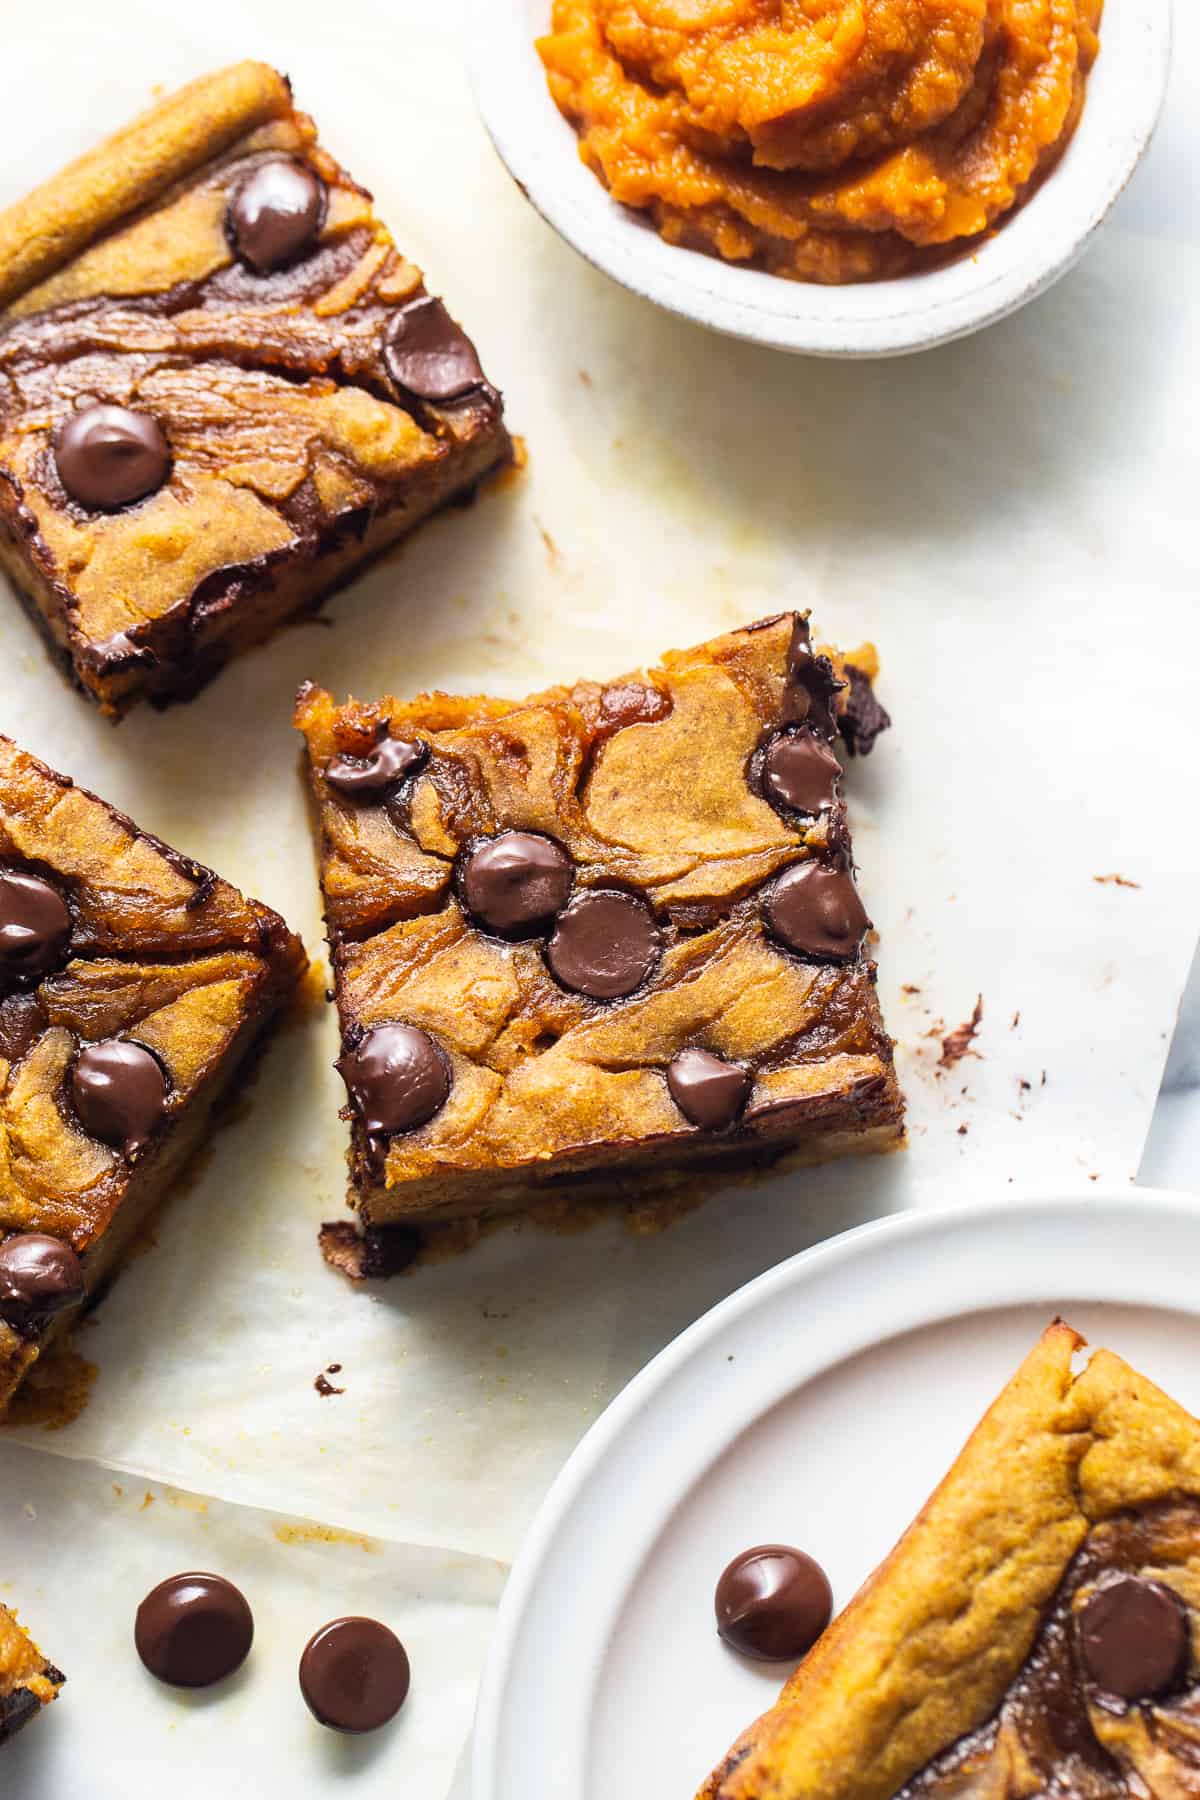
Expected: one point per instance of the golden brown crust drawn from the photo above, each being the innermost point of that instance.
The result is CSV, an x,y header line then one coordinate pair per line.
x,y
926,1650
132,168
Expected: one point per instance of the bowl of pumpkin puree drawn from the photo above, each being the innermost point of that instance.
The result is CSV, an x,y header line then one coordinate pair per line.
x,y
842,177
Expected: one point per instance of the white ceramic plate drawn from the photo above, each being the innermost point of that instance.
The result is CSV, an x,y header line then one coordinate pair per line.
x,y
819,1406
886,318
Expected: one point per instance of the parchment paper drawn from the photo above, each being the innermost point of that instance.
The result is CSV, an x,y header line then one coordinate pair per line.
x,y
1010,519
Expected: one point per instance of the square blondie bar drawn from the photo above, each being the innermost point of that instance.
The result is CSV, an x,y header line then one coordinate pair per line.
x,y
609,930
222,390
133,986
1035,1632
27,1681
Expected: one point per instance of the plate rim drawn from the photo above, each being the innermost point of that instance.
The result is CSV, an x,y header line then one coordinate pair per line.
x,y
1108,1204
605,242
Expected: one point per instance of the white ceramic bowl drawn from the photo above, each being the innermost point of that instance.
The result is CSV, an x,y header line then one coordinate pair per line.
x,y
884,318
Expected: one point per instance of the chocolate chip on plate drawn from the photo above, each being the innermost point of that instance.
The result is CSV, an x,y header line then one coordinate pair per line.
x,y
354,1675
773,1603
1134,1637
604,944
39,1276
193,1630
35,928
109,456
275,214
397,1079
816,910
516,881
430,356
708,1091
383,768
119,1090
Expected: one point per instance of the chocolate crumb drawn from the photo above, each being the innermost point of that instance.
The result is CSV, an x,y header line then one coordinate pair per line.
x,y
963,1129
1115,881
324,1386
908,987
958,1043
1016,1020
862,718
371,1255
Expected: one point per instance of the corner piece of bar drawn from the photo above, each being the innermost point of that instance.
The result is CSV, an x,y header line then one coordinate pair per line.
x,y
1034,1632
134,987
223,390
608,932
28,1682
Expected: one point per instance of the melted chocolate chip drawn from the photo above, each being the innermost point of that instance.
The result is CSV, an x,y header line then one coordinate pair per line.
x,y
397,1079
35,928
1134,1637
108,457
119,1091
773,1603
371,777
816,910
22,1021
193,1630
801,773
708,1091
604,944
428,355
517,881
864,718
630,703
39,1276
354,1675
810,686
275,214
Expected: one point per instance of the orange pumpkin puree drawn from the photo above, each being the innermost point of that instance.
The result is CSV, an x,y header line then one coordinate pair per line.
x,y
825,140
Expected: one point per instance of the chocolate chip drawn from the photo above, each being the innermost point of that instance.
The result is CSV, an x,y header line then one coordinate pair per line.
x,y
369,777
816,910
22,1021
193,1630
275,214
108,456
428,355
354,1675
708,1091
810,685
801,773
604,944
35,928
39,1276
397,1079
119,1090
1134,1637
517,881
864,718
631,703
773,1603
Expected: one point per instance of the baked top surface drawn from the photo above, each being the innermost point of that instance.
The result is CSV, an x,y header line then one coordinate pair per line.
x,y
279,391
651,788
960,1667
153,948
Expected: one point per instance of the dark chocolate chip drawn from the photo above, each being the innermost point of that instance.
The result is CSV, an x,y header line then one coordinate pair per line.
x,y
39,1276
810,685
816,910
801,772
604,944
773,1603
370,777
108,456
708,1091
517,881
430,356
397,1079
354,1675
193,1630
119,1091
863,718
22,1021
35,928
16,1709
1134,1637
275,214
